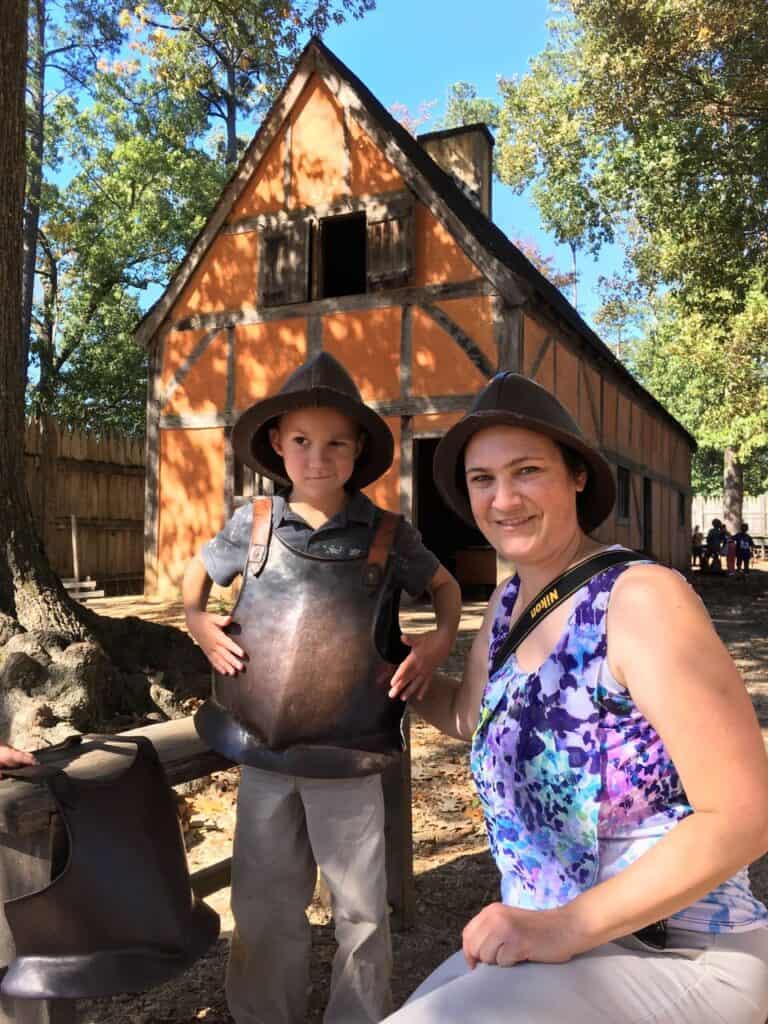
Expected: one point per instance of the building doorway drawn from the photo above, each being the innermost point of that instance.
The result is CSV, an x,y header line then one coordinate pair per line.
x,y
461,548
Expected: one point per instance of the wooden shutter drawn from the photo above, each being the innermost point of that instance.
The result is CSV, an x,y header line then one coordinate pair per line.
x,y
284,264
390,242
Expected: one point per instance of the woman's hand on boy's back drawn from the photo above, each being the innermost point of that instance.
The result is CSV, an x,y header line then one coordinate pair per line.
x,y
413,676
207,628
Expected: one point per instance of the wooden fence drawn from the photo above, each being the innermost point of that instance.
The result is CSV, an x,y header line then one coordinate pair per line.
x,y
87,496
754,513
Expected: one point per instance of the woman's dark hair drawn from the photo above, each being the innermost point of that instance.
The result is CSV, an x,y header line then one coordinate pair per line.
x,y
574,462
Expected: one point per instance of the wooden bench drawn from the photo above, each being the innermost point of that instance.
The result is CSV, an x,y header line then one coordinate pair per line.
x,y
28,817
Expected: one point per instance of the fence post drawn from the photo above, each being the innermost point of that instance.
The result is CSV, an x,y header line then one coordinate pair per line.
x,y
49,468
75,553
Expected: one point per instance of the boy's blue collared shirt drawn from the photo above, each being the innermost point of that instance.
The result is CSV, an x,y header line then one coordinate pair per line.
x,y
348,534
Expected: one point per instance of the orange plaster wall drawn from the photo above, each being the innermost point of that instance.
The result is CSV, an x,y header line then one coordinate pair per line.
x,y
265,192
225,279
191,503
318,160
370,171
440,367
368,344
439,257
385,492
205,385
475,317
264,356
177,345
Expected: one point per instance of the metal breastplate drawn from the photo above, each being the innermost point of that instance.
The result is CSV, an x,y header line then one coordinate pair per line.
x,y
322,642
119,915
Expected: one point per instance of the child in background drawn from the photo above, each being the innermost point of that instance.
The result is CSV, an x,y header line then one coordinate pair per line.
x,y
744,548
730,553
302,697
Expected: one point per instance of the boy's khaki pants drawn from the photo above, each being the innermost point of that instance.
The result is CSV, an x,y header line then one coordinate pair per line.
x,y
286,828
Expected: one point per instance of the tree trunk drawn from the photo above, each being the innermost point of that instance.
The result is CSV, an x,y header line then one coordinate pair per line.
x,y
230,98
28,588
36,89
733,490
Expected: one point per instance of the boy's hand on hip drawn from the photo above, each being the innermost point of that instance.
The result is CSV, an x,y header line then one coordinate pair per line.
x,y
221,650
413,676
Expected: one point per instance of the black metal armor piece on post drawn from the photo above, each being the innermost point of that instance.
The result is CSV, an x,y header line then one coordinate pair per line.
x,y
119,915
323,641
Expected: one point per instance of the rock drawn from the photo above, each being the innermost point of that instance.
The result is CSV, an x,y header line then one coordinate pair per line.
x,y
27,643
22,672
9,627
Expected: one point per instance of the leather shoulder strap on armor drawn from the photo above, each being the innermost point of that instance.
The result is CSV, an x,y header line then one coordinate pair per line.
x,y
261,532
381,546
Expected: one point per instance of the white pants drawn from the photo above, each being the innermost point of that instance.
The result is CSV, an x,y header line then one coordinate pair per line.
x,y
286,828
699,979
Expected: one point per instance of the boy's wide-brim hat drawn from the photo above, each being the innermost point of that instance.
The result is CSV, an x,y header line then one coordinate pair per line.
x,y
321,382
516,401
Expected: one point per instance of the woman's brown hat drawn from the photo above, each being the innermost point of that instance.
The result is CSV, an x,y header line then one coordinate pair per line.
x,y
516,401
320,382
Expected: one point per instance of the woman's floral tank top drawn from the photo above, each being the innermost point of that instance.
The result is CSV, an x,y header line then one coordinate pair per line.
x,y
575,783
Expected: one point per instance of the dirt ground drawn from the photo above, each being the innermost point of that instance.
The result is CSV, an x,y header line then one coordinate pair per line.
x,y
454,873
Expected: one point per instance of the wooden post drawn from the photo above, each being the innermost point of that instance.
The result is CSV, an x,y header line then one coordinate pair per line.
x,y
401,892
75,553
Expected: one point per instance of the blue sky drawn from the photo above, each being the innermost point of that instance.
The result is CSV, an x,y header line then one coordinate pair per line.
x,y
411,51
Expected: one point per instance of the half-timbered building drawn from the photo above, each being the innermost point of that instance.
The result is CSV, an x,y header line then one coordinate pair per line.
x,y
339,230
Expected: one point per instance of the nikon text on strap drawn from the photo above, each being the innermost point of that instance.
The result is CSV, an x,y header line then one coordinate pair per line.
x,y
555,593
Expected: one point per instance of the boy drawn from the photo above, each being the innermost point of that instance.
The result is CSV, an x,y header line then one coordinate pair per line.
x,y
305,697
744,548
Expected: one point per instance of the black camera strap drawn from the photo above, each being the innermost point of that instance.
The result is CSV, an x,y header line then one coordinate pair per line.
x,y
559,590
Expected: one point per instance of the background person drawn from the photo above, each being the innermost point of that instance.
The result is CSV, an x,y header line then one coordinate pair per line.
x,y
624,782
745,545
697,546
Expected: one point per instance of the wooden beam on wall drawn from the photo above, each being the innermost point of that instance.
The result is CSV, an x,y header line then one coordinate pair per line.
x,y
406,467
468,346
229,455
345,304
314,335
152,462
508,332
405,369
411,405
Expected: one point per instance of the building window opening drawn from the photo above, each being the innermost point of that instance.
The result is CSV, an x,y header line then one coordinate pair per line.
x,y
622,492
343,256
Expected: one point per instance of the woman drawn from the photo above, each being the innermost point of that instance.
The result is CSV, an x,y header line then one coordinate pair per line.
x,y
616,754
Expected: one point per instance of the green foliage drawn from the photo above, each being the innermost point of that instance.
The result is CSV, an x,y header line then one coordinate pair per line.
x,y
647,121
464,106
104,384
712,374
231,56
140,191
